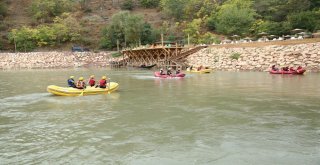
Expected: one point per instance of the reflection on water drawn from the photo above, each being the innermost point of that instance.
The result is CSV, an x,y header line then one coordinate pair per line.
x,y
219,118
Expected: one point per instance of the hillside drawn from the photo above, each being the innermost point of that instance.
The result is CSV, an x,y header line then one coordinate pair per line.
x,y
99,16
103,24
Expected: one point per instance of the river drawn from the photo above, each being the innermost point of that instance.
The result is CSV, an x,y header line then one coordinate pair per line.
x,y
219,118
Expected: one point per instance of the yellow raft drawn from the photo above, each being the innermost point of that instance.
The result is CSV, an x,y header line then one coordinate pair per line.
x,y
199,71
69,91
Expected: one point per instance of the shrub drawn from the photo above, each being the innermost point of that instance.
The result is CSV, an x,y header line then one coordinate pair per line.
x,y
149,3
45,10
127,5
305,20
3,8
235,56
116,54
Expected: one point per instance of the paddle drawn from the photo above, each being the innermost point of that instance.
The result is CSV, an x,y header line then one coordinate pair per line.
x,y
81,94
109,85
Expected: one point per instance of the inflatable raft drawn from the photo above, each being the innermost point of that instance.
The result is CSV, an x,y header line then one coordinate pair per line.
x,y
298,72
69,91
157,74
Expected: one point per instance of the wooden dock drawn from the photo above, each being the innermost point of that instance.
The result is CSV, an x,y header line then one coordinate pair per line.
x,y
162,56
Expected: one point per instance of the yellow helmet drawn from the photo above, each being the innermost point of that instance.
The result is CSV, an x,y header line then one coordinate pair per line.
x,y
71,76
80,78
104,77
92,76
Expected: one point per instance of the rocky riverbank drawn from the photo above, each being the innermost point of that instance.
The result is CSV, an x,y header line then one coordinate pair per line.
x,y
36,60
219,58
259,58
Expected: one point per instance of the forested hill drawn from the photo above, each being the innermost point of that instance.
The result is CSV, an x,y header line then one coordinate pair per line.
x,y
27,25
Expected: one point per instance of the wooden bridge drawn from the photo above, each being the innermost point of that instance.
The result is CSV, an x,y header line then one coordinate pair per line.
x,y
162,56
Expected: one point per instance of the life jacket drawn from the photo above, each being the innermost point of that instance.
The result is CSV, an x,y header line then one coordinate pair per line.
x,y
92,82
71,82
81,84
161,72
102,83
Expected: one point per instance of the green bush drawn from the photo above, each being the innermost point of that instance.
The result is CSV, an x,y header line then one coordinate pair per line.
x,y
3,26
116,54
64,29
3,8
46,10
149,3
1,44
308,20
235,56
211,23
127,5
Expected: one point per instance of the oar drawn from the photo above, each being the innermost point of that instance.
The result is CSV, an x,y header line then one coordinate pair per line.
x,y
109,85
81,94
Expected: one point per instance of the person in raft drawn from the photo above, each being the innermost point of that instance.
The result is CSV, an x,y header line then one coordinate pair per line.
x,y
81,84
103,82
71,82
178,71
285,68
274,68
299,67
292,69
169,71
92,82
161,72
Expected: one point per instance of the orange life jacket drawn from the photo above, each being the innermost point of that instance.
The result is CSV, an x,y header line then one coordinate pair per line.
x,y
81,84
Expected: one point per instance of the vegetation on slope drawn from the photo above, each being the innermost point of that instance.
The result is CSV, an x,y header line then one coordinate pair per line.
x,y
55,23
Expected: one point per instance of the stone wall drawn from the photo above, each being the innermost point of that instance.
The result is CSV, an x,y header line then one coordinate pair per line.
x,y
259,58
35,60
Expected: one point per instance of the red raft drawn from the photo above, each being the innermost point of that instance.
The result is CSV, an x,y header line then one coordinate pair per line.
x,y
299,71
157,74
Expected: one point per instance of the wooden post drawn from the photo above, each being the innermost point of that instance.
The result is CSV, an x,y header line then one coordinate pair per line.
x,y
162,39
117,45
176,49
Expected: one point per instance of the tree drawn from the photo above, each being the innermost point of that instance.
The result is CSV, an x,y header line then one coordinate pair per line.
x,y
148,34
235,17
133,29
23,38
308,20
67,28
126,28
270,27
64,29
3,8
200,9
127,5
193,30
174,8
275,10
45,10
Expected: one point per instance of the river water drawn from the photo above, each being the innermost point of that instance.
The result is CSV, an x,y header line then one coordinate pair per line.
x,y
220,118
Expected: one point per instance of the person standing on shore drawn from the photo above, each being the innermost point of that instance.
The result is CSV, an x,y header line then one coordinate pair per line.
x,y
71,82
92,82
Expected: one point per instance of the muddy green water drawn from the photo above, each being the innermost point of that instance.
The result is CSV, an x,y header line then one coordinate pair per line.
x,y
221,118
